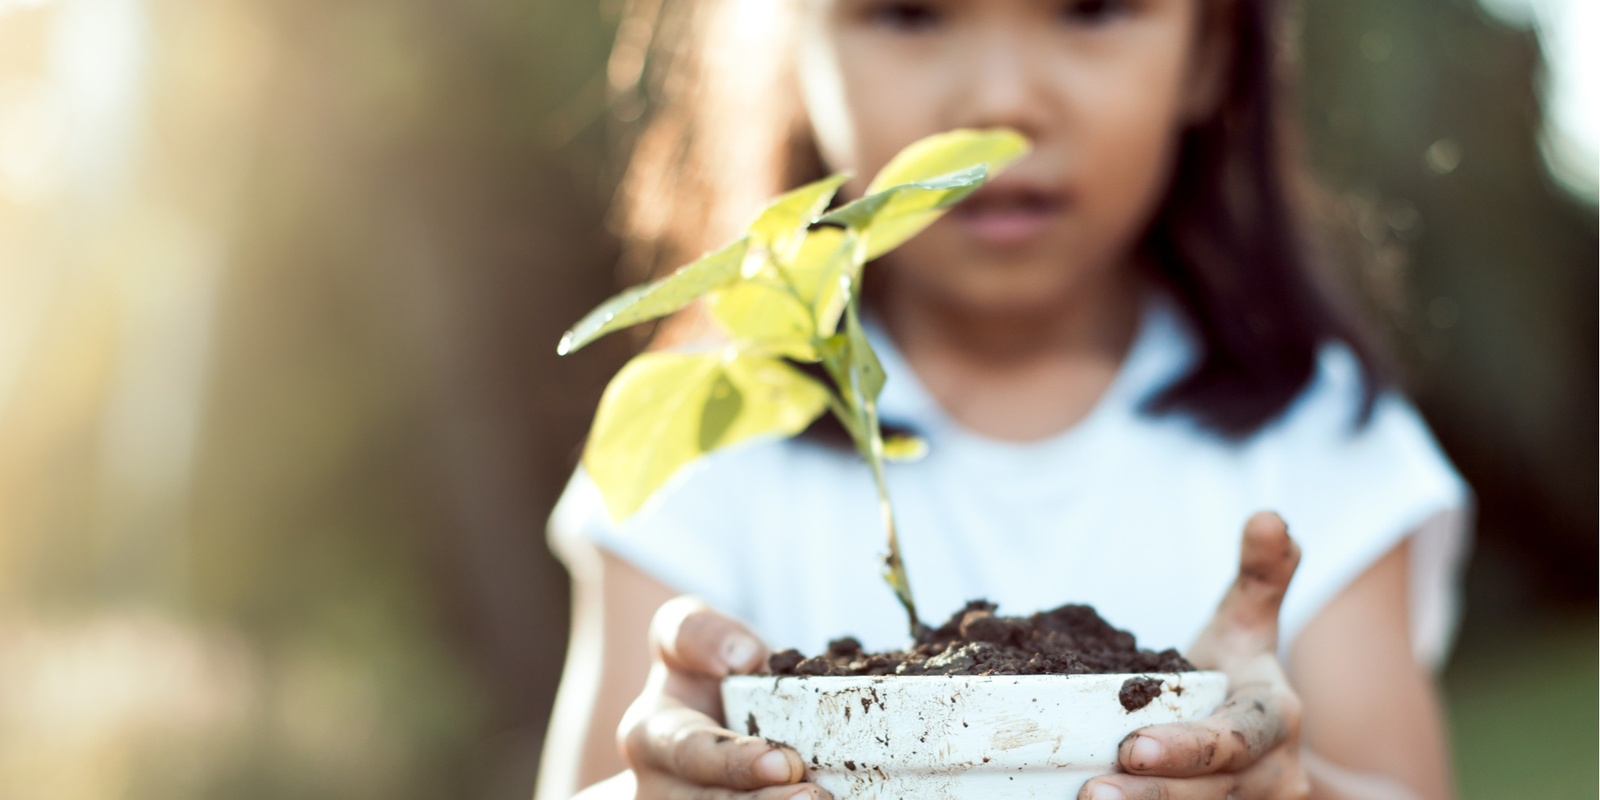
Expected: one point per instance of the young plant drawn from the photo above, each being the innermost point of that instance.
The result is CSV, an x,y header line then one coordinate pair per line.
x,y
785,292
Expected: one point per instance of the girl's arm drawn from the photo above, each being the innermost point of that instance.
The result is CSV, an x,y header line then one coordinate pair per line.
x,y
1371,711
607,660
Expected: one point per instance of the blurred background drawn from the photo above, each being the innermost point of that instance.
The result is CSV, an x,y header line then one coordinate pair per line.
x,y
281,418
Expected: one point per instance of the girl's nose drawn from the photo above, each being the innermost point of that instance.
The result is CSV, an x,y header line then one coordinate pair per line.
x,y
1001,86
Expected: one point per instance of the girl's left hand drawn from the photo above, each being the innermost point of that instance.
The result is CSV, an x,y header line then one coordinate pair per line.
x,y
1250,747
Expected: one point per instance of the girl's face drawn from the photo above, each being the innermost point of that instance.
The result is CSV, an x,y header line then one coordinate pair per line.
x,y
1102,88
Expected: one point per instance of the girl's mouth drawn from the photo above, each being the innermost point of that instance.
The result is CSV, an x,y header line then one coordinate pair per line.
x,y
1004,216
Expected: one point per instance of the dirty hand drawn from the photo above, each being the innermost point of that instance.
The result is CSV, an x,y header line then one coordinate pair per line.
x,y
670,736
1249,749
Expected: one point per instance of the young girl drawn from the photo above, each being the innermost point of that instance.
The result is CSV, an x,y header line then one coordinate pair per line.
x,y
1116,351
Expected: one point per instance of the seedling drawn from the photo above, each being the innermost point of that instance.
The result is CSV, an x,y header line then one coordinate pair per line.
x,y
787,292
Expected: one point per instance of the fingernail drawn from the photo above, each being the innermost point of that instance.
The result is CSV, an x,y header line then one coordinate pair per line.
x,y
1144,754
803,794
1105,791
774,766
739,651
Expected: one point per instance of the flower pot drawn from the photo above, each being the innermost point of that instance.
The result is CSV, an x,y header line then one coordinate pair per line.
x,y
926,737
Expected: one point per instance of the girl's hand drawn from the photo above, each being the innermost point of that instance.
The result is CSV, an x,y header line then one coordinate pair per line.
x,y
1249,748
670,737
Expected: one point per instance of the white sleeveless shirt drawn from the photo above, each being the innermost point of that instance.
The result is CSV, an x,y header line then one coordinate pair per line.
x,y
1138,515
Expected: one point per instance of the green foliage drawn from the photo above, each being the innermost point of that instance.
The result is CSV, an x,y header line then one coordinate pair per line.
x,y
824,273
664,410
781,227
657,298
923,169
765,317
780,293
896,214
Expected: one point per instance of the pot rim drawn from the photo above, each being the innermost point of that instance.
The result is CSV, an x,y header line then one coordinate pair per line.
x,y
1201,674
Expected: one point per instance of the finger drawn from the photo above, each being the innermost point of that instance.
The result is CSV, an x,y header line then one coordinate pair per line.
x,y
657,786
1259,716
688,635
1129,787
1246,621
687,744
1267,561
1279,776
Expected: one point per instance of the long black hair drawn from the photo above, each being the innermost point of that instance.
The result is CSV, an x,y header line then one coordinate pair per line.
x,y
1236,244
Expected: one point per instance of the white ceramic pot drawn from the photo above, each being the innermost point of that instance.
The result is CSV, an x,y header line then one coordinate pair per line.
x,y
927,737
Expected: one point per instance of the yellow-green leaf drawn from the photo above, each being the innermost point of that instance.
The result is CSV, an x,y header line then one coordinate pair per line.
x,y
890,217
854,367
904,448
781,225
657,298
952,151
824,272
723,404
866,371
664,410
765,316
923,180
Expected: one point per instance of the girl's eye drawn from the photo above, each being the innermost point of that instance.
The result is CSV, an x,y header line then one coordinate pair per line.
x,y
906,16
1095,12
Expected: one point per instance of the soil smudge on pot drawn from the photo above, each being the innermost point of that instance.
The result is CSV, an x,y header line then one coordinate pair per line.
x,y
1070,640
1137,693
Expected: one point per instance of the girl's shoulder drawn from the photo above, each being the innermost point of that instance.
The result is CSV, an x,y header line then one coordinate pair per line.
x,y
1342,429
1347,457
1335,414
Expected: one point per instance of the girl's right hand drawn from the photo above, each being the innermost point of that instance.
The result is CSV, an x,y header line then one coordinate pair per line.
x,y
670,737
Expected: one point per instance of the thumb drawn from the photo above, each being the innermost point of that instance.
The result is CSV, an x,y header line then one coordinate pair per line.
x,y
690,637
693,647
1246,621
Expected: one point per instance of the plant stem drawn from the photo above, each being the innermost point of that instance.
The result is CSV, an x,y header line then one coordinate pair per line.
x,y
869,443
894,569
857,379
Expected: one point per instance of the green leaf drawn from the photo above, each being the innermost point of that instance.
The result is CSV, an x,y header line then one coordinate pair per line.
x,y
939,192
887,219
657,298
923,180
781,226
855,369
824,273
904,448
723,404
866,371
664,410
952,151
765,317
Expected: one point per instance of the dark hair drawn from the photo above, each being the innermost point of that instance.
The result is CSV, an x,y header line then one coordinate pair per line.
x,y
1233,240
1234,243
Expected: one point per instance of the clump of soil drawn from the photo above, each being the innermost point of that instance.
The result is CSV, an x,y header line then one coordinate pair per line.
x,y
1070,640
1138,691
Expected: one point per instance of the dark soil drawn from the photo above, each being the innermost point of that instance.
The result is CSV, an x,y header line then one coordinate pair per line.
x,y
1070,640
1138,691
